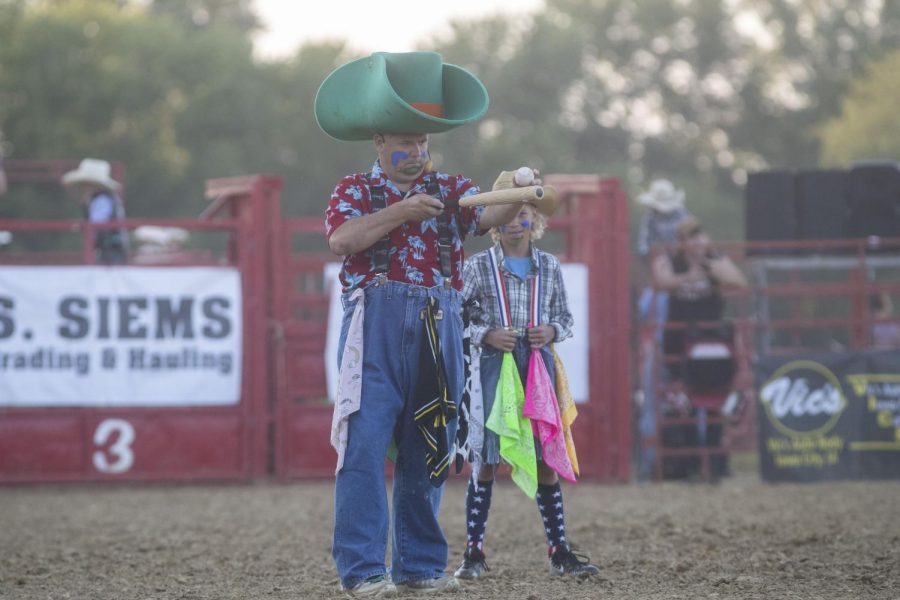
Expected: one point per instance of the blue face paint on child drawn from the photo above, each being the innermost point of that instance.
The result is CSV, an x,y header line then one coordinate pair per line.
x,y
525,223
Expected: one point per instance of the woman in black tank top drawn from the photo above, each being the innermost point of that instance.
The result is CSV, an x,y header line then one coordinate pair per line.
x,y
694,275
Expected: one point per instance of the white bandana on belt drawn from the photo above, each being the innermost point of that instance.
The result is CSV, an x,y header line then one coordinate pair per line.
x,y
349,390
470,430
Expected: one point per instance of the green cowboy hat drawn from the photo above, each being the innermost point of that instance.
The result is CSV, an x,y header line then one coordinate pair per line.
x,y
408,92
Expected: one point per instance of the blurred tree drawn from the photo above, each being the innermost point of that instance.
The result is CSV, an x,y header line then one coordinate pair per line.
x,y
90,79
237,14
694,90
309,160
698,91
868,127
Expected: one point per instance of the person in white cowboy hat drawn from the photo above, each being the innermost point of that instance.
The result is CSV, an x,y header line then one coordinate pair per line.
x,y
658,225
400,231
97,191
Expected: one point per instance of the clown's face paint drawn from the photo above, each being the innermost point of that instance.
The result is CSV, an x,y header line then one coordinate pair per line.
x,y
402,156
413,168
398,156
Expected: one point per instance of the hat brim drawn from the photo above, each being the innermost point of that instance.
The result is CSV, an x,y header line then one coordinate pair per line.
x,y
546,204
665,205
357,100
549,202
75,177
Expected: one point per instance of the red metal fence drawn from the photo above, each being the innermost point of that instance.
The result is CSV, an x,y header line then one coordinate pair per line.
x,y
803,296
167,443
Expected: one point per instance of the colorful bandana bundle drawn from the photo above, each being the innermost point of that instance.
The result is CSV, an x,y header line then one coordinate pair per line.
x,y
549,411
436,407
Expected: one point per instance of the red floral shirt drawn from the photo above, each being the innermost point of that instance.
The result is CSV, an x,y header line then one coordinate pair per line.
x,y
414,256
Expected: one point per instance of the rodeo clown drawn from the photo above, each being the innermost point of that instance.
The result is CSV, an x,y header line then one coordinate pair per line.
x,y
517,305
400,230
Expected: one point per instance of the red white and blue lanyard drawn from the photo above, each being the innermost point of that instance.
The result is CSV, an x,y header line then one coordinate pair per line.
x,y
503,295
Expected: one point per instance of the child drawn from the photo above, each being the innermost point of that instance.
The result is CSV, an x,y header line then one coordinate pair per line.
x,y
508,324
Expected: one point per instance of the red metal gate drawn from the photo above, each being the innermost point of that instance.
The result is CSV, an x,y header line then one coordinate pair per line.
x,y
594,225
165,443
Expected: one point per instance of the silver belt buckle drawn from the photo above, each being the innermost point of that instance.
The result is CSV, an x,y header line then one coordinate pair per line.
x,y
438,315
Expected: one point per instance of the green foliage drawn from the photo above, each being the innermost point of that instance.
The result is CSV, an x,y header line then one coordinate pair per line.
x,y
237,14
86,79
867,127
310,162
698,91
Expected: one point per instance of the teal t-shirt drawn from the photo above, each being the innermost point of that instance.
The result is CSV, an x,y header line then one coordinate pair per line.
x,y
520,265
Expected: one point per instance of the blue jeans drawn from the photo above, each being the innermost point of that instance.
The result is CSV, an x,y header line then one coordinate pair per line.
x,y
394,343
653,307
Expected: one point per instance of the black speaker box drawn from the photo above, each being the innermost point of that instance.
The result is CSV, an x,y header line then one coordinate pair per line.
x,y
873,200
770,206
822,205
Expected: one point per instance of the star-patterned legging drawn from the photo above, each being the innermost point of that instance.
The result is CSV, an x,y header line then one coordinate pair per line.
x,y
478,505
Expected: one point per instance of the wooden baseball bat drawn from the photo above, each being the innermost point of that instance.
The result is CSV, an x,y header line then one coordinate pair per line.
x,y
509,196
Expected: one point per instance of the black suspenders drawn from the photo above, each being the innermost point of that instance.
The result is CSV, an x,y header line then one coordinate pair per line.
x,y
445,236
381,249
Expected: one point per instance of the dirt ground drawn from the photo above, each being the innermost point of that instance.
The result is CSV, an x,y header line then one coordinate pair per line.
x,y
738,539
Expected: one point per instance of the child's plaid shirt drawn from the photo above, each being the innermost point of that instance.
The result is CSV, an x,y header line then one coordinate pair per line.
x,y
478,285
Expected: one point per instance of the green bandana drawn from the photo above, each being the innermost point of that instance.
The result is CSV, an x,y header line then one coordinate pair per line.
x,y
514,428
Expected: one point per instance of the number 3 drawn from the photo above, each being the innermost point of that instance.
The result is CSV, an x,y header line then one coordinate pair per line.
x,y
120,449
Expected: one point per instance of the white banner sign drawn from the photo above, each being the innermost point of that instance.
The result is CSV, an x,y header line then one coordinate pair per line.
x,y
573,352
123,336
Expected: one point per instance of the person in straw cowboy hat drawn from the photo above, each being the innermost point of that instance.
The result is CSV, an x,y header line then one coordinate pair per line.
x,y
519,308
97,192
400,231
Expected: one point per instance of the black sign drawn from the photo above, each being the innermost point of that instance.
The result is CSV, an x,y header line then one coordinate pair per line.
x,y
832,416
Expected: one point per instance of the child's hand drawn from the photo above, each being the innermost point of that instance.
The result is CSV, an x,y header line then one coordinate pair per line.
x,y
541,335
501,339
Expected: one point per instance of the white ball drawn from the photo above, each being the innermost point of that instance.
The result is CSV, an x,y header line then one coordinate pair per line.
x,y
524,176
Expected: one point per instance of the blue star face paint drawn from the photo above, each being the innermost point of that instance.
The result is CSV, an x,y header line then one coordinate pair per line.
x,y
526,224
